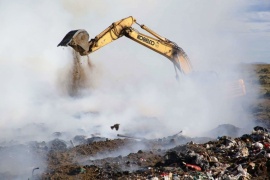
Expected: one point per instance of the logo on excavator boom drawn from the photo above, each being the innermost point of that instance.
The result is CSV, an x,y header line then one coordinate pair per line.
x,y
144,39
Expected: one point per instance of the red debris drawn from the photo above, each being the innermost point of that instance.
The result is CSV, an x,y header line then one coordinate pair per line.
x,y
197,168
266,145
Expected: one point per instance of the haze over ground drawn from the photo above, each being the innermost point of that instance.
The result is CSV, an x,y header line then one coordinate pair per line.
x,y
128,82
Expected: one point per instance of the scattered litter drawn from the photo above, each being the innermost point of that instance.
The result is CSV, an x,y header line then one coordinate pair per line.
x,y
193,167
116,126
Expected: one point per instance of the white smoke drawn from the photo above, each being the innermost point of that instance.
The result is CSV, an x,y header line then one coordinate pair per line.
x,y
131,81
133,86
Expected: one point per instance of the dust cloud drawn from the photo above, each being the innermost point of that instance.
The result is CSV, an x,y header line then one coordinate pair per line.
x,y
128,86
80,75
45,89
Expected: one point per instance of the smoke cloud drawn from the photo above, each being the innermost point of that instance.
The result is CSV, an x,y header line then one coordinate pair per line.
x,y
129,82
126,83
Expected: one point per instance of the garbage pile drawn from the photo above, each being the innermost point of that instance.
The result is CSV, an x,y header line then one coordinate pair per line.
x,y
245,157
171,158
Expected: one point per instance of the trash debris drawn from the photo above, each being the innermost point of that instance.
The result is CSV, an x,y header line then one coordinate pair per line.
x,y
259,128
130,137
34,170
116,126
258,145
77,170
246,157
194,167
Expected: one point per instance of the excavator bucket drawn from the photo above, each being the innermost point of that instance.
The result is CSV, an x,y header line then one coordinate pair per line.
x,y
78,40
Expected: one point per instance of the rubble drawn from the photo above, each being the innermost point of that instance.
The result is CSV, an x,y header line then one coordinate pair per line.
x,y
245,157
173,157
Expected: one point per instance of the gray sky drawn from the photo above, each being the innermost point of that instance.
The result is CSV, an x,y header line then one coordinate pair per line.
x,y
256,18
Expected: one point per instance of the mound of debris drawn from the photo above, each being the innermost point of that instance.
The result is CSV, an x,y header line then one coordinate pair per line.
x,y
245,157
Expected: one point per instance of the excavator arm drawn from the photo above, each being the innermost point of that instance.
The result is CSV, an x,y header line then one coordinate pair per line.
x,y
78,40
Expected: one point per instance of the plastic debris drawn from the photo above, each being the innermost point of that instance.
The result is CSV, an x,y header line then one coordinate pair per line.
x,y
194,167
246,157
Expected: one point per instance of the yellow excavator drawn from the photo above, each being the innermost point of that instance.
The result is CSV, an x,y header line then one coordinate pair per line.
x,y
79,41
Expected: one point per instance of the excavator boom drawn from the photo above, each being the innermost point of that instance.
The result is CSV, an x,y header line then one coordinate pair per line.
x,y
78,40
